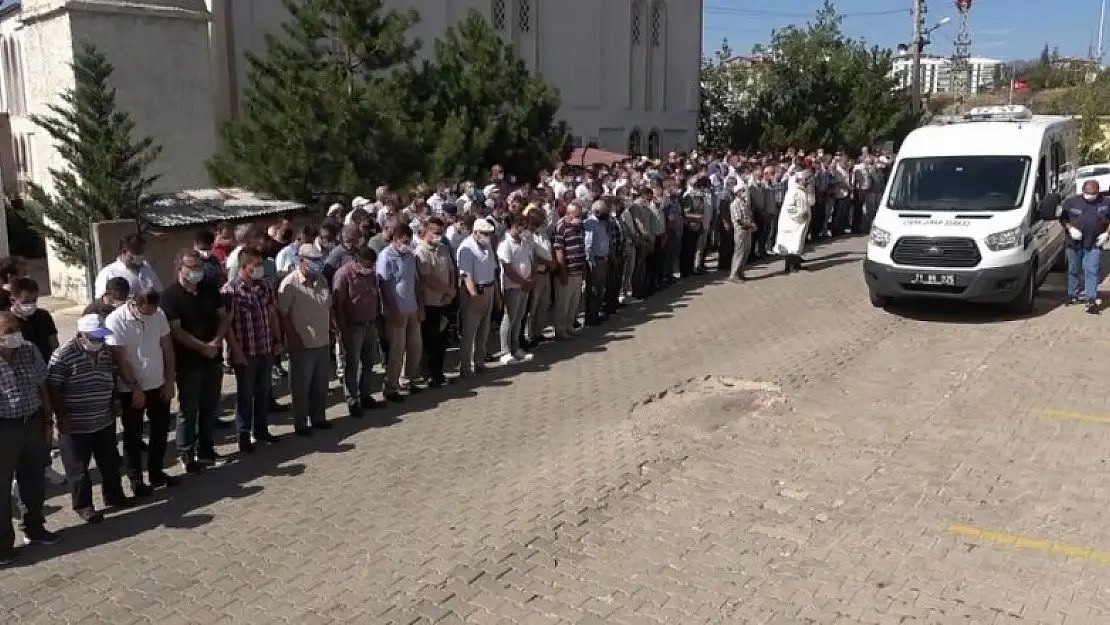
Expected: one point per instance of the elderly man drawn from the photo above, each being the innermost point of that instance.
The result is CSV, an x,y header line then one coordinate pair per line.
x,y
24,425
597,243
569,245
402,303
81,381
304,307
198,324
477,263
437,279
142,349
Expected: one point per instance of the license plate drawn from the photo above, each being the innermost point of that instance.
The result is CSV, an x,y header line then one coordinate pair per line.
x,y
933,279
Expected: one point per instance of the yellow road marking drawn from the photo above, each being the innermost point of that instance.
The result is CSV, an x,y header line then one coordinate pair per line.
x,y
1033,544
1074,416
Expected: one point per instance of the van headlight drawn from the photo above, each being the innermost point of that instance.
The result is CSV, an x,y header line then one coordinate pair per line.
x,y
1005,240
879,237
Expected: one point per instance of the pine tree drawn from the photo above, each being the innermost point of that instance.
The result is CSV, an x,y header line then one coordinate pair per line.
x,y
479,105
106,173
319,114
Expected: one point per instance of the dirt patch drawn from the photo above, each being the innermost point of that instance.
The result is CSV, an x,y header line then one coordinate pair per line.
x,y
706,406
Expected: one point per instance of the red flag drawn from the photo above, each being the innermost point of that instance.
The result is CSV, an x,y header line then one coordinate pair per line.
x,y
1019,85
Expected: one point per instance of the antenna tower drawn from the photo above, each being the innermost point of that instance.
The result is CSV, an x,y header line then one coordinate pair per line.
x,y
961,60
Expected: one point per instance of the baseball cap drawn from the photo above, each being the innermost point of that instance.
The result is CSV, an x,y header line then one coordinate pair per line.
x,y
309,251
483,225
93,325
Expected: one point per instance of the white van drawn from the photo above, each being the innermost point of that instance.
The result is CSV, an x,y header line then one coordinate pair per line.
x,y
970,210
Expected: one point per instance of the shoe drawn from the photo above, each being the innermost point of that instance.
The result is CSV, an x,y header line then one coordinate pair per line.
x,y
394,397
91,516
1092,309
369,403
119,500
40,536
189,465
224,425
159,480
246,445
523,356
438,382
323,425
266,437
509,359
303,432
354,410
208,458
275,406
140,488
7,556
55,478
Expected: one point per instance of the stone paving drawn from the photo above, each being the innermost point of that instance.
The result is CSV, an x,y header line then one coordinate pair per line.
x,y
774,452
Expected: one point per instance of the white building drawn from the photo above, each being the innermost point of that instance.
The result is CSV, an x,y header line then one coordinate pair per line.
x,y
627,71
936,73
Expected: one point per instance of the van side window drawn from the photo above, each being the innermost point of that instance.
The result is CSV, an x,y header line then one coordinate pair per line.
x,y
1040,187
1059,165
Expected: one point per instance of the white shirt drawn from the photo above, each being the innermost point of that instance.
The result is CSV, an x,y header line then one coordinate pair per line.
x,y
142,280
518,255
286,260
476,261
558,188
141,341
541,245
583,194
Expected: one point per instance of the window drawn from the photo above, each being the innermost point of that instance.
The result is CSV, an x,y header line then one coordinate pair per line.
x,y
653,150
634,139
962,183
498,16
524,16
657,23
637,22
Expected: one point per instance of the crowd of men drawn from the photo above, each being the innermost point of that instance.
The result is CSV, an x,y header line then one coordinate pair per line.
x,y
495,269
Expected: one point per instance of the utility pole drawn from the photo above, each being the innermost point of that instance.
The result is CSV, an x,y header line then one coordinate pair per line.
x,y
918,45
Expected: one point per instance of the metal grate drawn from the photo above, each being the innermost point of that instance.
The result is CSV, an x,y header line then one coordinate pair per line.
x,y
637,22
524,16
939,252
498,16
657,23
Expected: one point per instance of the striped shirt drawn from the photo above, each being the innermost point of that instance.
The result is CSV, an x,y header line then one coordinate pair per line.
x,y
571,239
20,380
85,383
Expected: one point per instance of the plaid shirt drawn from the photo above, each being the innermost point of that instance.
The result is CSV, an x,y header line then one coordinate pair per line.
x,y
249,305
20,380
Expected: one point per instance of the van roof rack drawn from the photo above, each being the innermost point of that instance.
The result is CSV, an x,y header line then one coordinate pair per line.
x,y
1005,113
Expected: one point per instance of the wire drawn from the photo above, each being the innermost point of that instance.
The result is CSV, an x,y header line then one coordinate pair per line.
x,y
722,10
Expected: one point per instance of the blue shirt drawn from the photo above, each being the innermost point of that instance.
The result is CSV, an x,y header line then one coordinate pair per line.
x,y
597,239
476,261
397,272
1091,218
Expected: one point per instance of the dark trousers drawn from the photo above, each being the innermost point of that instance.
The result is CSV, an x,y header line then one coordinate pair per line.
x,y
726,249
383,338
23,448
613,282
77,452
157,412
842,215
819,217
433,331
596,282
198,391
253,386
656,267
765,236
864,212
689,250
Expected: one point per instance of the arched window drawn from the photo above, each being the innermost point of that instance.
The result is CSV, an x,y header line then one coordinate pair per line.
x,y
524,16
20,85
634,139
653,147
658,14
499,15
5,76
637,22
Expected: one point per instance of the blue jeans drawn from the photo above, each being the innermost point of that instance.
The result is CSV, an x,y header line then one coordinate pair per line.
x,y
1085,261
253,384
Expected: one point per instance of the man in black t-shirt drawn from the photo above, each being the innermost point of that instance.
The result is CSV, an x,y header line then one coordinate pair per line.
x,y
198,325
36,324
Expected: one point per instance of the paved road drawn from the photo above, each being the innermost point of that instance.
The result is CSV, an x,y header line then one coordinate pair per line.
x,y
776,452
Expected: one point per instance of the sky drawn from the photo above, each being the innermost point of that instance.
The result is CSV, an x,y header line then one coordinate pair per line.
x,y
1000,29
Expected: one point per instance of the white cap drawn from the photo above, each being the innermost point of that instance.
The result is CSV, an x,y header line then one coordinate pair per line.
x,y
483,225
309,251
93,325
335,209
359,202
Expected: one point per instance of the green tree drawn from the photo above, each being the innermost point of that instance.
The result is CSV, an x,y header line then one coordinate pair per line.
x,y
106,172
729,89
829,90
319,112
476,104
1092,137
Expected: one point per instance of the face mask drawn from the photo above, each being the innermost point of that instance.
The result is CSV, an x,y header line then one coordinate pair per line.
x,y
194,277
432,243
258,273
27,309
364,271
404,249
1090,197
90,345
314,268
482,239
11,341
526,235
136,260
204,254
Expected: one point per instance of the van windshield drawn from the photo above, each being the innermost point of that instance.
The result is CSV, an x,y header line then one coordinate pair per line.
x,y
959,183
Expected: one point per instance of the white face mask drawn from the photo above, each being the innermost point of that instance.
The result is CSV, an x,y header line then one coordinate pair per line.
x,y
27,309
11,341
258,273
91,346
1090,197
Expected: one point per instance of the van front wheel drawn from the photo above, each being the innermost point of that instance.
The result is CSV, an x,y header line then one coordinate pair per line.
x,y
878,301
1026,299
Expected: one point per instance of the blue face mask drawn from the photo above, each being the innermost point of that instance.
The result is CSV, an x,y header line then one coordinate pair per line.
x,y
314,268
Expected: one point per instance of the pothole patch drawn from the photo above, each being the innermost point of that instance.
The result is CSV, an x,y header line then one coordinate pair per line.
x,y
709,404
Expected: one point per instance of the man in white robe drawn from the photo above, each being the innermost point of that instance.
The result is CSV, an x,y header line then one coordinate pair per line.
x,y
794,219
